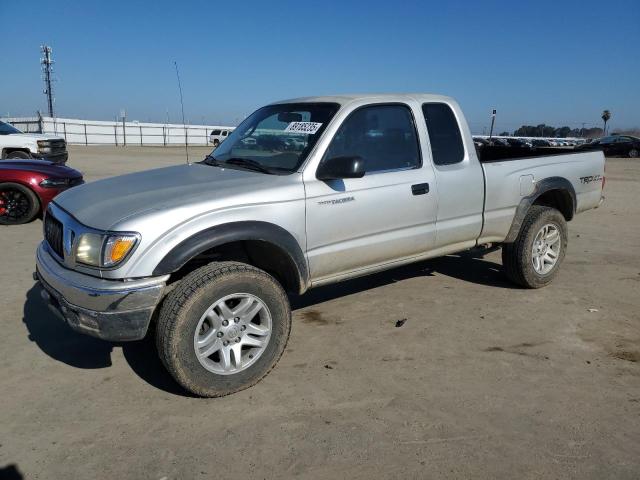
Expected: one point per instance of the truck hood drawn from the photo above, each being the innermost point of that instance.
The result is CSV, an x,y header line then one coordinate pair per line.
x,y
104,203
35,136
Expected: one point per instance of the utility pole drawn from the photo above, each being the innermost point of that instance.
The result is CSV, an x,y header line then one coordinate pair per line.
x,y
47,70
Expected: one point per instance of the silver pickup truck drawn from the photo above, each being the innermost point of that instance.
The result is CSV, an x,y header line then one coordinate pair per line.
x,y
303,193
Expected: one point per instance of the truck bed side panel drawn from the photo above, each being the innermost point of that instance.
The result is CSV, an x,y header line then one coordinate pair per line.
x,y
509,182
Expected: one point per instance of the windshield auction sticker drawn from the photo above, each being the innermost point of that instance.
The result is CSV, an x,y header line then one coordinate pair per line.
x,y
303,127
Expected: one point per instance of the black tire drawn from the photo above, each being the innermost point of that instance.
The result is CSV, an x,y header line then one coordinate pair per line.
x,y
634,153
517,256
25,204
184,306
18,154
216,143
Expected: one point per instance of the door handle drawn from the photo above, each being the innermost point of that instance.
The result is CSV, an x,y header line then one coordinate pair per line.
x,y
420,188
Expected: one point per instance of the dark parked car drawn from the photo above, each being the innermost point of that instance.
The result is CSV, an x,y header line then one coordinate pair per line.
x,y
480,142
499,142
516,142
615,145
538,142
27,187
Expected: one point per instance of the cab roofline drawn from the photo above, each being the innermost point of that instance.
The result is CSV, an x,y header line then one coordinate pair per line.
x,y
373,97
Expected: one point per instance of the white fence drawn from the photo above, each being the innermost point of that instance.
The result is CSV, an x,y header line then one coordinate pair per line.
x,y
90,132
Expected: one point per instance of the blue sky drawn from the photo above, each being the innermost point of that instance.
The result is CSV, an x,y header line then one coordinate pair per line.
x,y
557,62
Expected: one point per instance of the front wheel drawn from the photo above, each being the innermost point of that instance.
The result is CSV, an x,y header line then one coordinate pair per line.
x,y
533,260
18,154
634,153
223,328
18,204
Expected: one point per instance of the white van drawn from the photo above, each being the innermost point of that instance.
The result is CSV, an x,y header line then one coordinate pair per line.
x,y
218,136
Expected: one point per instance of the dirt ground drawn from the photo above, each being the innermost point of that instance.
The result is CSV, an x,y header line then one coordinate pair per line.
x,y
483,380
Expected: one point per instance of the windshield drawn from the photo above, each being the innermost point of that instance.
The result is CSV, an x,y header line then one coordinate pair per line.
x,y
6,129
276,138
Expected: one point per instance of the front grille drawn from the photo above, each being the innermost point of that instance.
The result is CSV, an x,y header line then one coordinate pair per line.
x,y
76,181
53,234
57,145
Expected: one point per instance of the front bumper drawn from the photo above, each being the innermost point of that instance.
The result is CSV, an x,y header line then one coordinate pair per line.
x,y
108,309
59,158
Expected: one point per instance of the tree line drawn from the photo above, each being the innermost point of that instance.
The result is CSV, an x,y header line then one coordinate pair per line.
x,y
543,130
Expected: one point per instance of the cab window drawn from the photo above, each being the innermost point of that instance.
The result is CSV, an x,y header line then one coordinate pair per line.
x,y
383,135
444,134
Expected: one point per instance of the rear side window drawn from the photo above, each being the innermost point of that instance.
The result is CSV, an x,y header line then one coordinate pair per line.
x,y
383,135
444,133
215,132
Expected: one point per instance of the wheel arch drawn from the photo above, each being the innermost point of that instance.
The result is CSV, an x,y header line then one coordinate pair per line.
x,y
264,245
7,150
555,192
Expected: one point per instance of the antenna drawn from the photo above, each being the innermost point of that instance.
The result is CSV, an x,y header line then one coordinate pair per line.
x,y
184,123
47,71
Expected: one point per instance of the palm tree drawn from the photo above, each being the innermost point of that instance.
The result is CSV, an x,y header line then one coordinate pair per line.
x,y
606,115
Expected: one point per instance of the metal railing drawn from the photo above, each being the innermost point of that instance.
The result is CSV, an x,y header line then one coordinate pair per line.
x,y
82,132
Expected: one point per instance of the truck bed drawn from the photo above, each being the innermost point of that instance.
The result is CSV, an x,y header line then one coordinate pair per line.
x,y
494,153
509,180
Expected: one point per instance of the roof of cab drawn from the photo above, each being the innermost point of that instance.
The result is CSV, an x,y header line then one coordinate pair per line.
x,y
373,97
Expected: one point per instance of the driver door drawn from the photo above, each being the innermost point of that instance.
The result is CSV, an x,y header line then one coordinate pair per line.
x,y
360,224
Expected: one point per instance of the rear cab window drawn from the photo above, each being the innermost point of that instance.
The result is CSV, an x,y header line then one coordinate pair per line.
x,y
444,134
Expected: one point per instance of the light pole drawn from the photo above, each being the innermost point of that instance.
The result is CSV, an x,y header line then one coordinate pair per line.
x,y
123,115
493,120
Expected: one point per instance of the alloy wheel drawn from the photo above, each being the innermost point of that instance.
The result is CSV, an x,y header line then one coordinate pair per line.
x,y
232,333
14,204
546,249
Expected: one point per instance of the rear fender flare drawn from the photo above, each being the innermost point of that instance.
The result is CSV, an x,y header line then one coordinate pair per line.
x,y
543,186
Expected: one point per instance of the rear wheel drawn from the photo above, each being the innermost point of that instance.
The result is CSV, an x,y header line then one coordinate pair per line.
x,y
18,154
216,143
533,260
18,204
223,328
634,153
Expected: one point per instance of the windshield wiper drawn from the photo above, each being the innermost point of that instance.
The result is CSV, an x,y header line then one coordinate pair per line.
x,y
248,163
209,160
241,162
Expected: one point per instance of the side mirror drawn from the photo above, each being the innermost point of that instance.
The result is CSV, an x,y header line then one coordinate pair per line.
x,y
336,168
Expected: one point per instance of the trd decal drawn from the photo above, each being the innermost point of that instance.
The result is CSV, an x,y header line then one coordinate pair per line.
x,y
590,179
337,201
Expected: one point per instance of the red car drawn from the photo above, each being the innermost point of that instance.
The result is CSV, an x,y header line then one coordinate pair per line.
x,y
27,187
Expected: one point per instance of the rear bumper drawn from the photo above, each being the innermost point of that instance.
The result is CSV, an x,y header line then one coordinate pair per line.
x,y
108,309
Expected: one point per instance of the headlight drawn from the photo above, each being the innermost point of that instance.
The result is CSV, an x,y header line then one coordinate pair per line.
x,y
54,182
89,250
44,146
104,250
